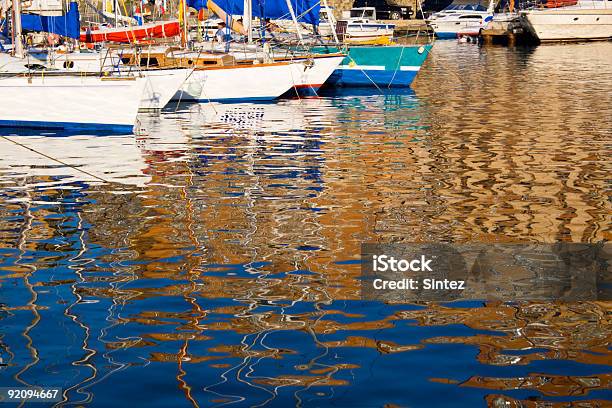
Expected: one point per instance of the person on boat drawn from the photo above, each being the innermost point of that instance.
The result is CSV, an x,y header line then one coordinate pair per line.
x,y
223,35
271,27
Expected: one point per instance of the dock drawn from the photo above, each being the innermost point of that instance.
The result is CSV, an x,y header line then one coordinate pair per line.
x,y
408,27
501,36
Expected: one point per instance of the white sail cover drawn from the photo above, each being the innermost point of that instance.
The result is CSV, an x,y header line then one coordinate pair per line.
x,y
42,7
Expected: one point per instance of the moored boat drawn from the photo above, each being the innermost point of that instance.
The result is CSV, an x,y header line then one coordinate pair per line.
x,y
361,26
317,68
130,34
60,99
161,86
219,77
584,20
462,18
381,66
65,101
237,83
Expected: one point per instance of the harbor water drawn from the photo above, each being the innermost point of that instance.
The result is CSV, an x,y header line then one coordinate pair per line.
x,y
212,259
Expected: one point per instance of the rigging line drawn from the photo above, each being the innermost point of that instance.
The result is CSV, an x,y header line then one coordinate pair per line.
x,y
187,78
397,67
366,74
54,159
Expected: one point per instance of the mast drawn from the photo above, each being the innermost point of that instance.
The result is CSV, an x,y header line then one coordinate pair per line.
x,y
234,24
247,19
17,44
491,7
332,21
184,36
116,9
295,22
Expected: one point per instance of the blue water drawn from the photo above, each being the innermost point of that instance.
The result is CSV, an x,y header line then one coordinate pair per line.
x,y
213,259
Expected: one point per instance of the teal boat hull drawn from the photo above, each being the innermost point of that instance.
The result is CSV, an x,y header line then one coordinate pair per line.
x,y
377,66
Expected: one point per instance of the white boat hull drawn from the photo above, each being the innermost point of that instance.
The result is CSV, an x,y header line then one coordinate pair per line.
x,y
357,32
569,24
71,102
316,72
241,83
453,26
161,86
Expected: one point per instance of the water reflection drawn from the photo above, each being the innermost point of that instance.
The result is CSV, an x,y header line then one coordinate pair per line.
x,y
211,260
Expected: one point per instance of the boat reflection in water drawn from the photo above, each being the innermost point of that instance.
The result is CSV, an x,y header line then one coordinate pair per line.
x,y
218,265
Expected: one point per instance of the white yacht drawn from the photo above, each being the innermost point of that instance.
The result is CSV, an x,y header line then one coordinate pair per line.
x,y
584,20
358,25
461,18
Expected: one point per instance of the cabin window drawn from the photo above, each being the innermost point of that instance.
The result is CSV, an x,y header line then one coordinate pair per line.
x,y
469,16
362,13
149,61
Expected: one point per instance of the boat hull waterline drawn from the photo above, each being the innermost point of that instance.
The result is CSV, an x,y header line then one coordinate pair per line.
x,y
569,24
317,70
374,66
258,82
161,86
71,102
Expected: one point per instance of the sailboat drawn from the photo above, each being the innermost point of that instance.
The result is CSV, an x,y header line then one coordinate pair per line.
x,y
160,85
316,67
67,101
361,65
379,66
219,77
132,33
61,100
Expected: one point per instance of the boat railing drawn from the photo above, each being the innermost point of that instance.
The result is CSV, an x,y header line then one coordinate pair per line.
x,y
553,4
111,62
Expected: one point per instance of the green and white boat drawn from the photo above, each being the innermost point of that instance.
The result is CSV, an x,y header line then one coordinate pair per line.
x,y
377,65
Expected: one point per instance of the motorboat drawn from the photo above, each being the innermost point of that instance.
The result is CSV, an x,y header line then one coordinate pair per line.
x,y
574,21
461,18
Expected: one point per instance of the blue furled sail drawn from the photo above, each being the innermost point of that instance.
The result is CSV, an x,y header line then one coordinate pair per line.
x,y
67,25
306,11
